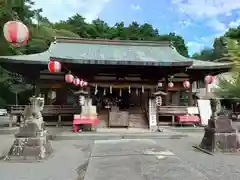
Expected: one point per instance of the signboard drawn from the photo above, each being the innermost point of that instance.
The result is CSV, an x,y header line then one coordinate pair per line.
x,y
152,114
205,111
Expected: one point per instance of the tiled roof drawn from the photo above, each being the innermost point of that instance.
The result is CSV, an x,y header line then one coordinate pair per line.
x,y
115,52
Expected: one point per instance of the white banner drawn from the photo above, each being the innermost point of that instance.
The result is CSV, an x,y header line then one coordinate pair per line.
x,y
205,111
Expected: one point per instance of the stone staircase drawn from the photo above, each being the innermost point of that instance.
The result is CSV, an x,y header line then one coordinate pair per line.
x,y
103,118
137,118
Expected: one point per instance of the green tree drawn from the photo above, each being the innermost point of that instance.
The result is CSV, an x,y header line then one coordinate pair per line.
x,y
229,87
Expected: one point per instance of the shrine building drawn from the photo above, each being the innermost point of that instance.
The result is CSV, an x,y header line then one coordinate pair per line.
x,y
121,74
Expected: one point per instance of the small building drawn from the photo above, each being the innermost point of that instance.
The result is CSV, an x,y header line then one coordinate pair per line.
x,y
131,69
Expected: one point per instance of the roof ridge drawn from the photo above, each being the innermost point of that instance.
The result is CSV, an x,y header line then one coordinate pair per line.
x,y
60,39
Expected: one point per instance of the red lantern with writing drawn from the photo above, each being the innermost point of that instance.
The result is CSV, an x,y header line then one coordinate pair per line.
x,y
209,79
16,33
69,78
186,84
54,66
170,85
76,81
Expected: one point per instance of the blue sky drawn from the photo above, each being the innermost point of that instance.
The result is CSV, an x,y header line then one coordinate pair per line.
x,y
198,21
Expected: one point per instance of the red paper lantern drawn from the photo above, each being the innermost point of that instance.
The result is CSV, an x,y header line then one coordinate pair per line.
x,y
83,83
170,85
16,33
209,79
186,84
76,81
69,78
54,66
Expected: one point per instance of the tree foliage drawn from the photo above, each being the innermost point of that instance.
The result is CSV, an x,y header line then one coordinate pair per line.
x,y
229,87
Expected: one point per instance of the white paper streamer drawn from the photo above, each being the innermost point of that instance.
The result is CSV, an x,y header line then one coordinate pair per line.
x,y
96,89
110,89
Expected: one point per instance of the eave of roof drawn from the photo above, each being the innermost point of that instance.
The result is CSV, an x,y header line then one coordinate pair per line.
x,y
201,65
114,52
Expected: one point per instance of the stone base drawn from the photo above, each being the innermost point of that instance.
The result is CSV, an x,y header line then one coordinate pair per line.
x,y
220,142
34,148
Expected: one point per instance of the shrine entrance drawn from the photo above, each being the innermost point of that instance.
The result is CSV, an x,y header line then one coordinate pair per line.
x,y
121,107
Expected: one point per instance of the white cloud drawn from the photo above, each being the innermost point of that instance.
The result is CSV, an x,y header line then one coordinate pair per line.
x,y
206,8
185,23
234,24
218,25
135,7
209,10
195,46
57,10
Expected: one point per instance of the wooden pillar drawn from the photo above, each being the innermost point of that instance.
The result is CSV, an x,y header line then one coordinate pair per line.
x,y
166,99
190,94
178,98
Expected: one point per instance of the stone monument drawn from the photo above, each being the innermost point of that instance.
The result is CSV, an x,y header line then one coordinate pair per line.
x,y
32,139
220,136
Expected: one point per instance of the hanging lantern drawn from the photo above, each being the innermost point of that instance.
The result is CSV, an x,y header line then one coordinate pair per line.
x,y
170,85
81,100
69,78
16,33
54,66
76,81
83,83
159,85
209,79
158,100
186,84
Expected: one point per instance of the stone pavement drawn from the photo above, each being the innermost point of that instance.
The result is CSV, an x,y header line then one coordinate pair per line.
x,y
124,159
137,160
64,164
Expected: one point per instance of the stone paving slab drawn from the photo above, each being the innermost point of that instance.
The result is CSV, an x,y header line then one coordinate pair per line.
x,y
124,147
109,136
136,160
62,165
